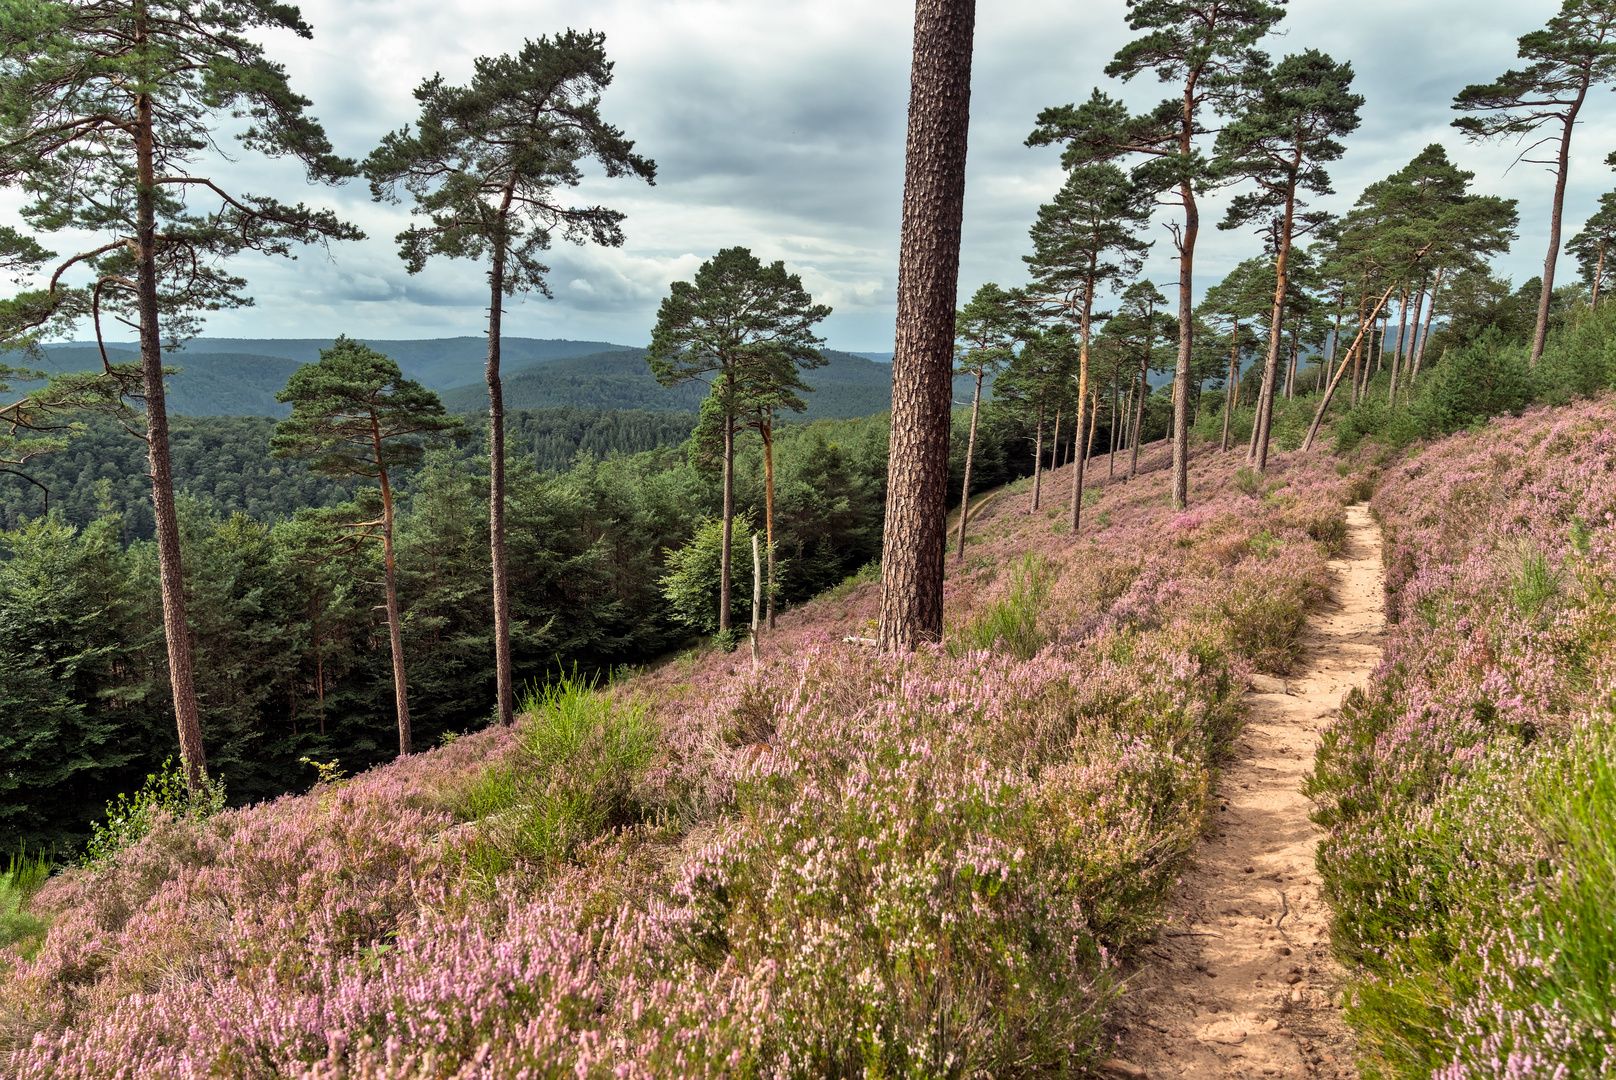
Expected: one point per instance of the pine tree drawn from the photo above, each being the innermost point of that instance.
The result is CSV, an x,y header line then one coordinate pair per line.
x,y
742,327
985,334
1592,244
1287,120
1203,47
107,107
354,414
1085,241
1575,52
483,167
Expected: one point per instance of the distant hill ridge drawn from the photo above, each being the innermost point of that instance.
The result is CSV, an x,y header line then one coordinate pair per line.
x,y
241,376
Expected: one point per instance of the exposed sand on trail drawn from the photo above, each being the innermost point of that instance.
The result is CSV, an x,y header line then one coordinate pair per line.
x,y
1235,986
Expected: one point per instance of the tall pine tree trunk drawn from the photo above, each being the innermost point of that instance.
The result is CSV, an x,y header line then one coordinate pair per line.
x,y
1276,331
395,622
506,695
1186,306
1599,277
1562,167
970,454
766,431
923,363
1038,462
1084,414
1425,335
170,572
727,546
1138,420
1115,433
1234,376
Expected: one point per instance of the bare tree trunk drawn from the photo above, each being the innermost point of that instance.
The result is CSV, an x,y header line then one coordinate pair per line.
x,y
725,561
1599,278
923,363
506,697
1363,328
1116,393
970,454
1054,455
1138,420
1038,462
395,622
766,430
1562,168
757,598
1186,310
1084,415
171,574
1430,314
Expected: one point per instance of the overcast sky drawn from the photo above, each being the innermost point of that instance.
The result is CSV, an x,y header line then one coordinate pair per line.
x,y
779,125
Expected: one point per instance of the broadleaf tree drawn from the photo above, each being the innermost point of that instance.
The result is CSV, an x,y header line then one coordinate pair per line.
x,y
740,326
1572,54
1202,46
485,166
109,113
354,414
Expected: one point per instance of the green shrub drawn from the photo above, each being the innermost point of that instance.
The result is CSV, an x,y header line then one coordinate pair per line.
x,y
164,795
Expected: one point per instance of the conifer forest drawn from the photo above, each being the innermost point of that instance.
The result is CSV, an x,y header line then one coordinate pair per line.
x,y
1181,646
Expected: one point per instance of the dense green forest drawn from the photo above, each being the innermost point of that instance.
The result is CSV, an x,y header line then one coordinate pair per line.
x,y
292,657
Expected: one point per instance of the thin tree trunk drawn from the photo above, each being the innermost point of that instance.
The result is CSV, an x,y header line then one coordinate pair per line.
x,y
171,575
1540,334
395,622
970,454
1138,420
1116,392
1229,388
1186,308
1363,328
1599,277
1084,415
757,599
506,696
1054,455
766,430
1430,314
1037,462
923,362
1276,329
726,545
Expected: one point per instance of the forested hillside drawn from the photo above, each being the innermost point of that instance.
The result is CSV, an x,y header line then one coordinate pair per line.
x,y
734,707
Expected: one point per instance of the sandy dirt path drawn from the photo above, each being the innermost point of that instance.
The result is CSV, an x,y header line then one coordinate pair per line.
x,y
1241,983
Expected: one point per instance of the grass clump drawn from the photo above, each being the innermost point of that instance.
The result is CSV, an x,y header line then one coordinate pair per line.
x,y
570,779
1011,623
19,927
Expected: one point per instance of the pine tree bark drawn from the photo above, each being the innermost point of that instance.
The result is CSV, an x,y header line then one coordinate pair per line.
x,y
766,431
505,693
1540,334
193,758
395,623
1276,331
1425,335
1038,462
1599,277
923,363
727,544
970,454
1083,435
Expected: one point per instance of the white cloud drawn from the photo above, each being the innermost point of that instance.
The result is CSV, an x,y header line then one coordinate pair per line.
x,y
779,125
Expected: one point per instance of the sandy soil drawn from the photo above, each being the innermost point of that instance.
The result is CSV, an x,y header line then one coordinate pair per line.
x,y
1241,983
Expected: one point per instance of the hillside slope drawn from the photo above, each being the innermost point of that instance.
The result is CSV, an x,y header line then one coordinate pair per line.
x,y
837,862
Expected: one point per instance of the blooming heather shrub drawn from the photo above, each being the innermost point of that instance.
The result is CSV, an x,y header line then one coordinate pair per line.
x,y
1467,789
840,863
